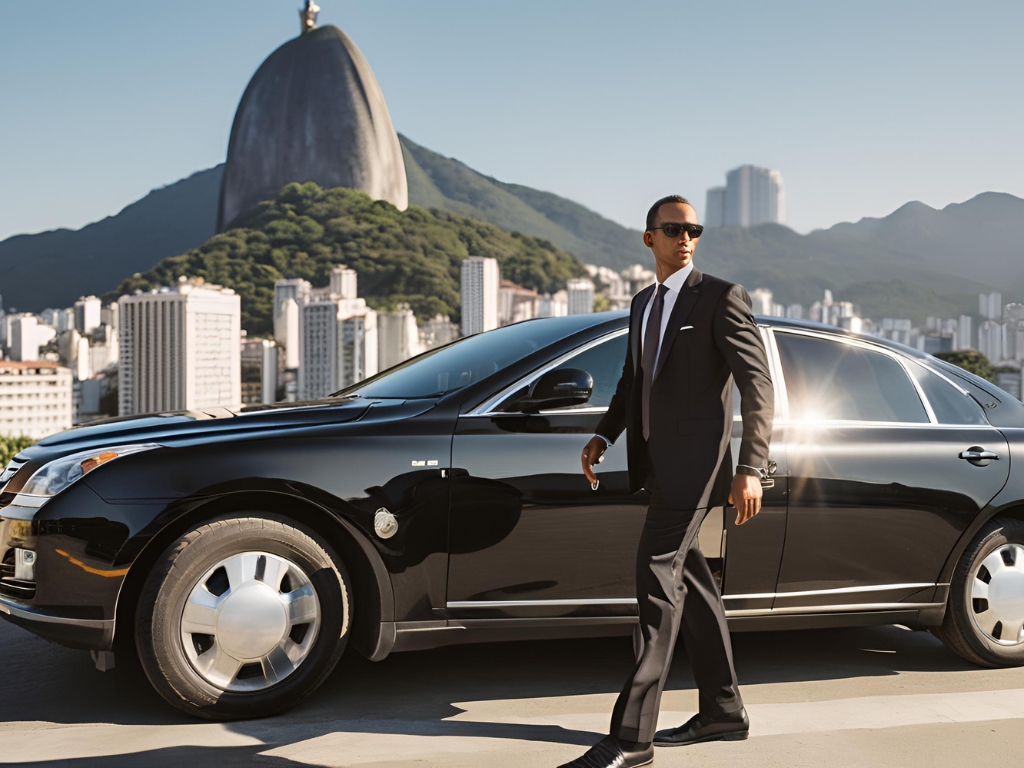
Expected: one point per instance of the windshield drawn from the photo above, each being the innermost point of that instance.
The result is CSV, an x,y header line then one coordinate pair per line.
x,y
469,360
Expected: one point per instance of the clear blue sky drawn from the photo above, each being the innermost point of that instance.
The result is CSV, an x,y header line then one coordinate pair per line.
x,y
863,106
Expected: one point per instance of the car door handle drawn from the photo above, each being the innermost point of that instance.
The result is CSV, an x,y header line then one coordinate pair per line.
x,y
978,454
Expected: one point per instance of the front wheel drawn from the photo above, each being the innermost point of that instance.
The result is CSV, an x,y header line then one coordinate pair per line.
x,y
243,617
984,620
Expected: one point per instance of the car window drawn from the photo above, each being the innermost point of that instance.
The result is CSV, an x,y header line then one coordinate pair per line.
x,y
467,360
829,380
951,405
603,361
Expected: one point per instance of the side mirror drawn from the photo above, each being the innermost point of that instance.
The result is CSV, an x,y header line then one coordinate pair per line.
x,y
560,388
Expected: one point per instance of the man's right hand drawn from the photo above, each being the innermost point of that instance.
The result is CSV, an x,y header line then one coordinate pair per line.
x,y
592,453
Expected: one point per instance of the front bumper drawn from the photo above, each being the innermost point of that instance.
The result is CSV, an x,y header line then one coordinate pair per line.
x,y
90,634
77,538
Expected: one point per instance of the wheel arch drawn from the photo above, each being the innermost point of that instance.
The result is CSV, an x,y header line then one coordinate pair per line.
x,y
1013,510
373,617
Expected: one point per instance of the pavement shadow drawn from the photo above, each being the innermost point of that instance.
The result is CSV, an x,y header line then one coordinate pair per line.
x,y
416,693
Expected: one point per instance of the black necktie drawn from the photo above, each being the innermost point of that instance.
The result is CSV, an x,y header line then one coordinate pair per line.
x,y
649,357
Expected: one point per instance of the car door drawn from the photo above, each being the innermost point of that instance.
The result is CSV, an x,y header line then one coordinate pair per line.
x,y
528,536
881,483
753,551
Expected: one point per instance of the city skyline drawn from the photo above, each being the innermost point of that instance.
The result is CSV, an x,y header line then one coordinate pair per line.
x,y
841,161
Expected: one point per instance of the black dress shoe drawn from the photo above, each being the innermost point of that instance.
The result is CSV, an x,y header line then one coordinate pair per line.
x,y
701,728
610,752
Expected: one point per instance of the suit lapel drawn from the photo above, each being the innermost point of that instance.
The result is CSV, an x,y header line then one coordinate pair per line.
x,y
684,305
636,324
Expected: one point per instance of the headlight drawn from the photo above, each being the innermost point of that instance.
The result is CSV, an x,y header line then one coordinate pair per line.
x,y
54,477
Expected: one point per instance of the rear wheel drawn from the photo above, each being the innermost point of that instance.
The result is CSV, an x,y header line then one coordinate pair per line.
x,y
243,617
984,620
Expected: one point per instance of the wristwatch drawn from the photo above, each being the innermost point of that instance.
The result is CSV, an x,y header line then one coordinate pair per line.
x,y
746,469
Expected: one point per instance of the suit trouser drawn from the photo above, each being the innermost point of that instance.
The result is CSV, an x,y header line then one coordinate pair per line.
x,y
675,587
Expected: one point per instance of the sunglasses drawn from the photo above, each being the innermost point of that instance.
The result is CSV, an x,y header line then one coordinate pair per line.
x,y
673,230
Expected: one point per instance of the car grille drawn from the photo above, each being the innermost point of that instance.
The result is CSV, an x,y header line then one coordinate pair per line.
x,y
10,586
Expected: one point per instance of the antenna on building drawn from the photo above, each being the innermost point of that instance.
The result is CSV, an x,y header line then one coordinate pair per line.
x,y
308,16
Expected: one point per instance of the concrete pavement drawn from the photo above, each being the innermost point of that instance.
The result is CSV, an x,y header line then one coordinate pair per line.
x,y
879,696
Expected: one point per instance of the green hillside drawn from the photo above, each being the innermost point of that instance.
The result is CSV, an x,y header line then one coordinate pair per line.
x,y
413,256
443,183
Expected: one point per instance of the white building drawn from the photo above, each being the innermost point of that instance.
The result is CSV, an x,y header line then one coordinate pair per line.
x,y
438,332
992,341
23,337
398,337
714,215
637,277
763,303
480,283
515,303
990,306
752,196
179,349
580,295
259,371
88,311
556,305
35,398
965,332
338,346
295,289
344,283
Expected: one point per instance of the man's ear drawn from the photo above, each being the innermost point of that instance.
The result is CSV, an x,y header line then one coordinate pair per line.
x,y
648,239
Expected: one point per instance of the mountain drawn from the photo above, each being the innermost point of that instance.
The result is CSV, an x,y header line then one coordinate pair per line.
x,y
438,182
52,269
915,262
412,256
978,239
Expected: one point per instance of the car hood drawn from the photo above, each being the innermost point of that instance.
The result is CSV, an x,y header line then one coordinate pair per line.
x,y
186,426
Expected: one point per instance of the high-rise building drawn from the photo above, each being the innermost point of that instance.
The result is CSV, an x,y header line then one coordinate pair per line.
x,y
990,306
296,289
398,337
88,311
259,371
23,337
580,294
751,196
338,346
344,283
36,397
992,341
795,312
965,332
714,216
480,283
179,348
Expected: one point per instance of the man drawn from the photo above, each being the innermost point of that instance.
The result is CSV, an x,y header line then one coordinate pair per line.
x,y
690,336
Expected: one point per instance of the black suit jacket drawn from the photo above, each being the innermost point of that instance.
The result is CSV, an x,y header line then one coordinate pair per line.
x,y
691,394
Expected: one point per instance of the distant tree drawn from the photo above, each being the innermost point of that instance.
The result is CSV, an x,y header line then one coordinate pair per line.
x,y
972,361
10,446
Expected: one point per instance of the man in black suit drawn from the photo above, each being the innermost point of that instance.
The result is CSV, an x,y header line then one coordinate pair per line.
x,y
690,336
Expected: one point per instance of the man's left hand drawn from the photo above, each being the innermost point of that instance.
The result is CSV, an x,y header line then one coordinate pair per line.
x,y
746,497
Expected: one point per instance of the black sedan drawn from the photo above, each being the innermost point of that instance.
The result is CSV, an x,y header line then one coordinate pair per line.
x,y
239,552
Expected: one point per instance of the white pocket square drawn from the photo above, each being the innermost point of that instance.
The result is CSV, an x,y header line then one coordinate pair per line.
x,y
686,328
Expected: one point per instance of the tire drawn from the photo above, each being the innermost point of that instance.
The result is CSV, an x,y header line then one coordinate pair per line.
x,y
980,597
282,641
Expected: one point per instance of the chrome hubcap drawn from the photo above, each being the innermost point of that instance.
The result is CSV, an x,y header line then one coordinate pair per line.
x,y
997,595
250,621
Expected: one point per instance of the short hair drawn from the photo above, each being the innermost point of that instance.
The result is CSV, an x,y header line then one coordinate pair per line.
x,y
653,213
